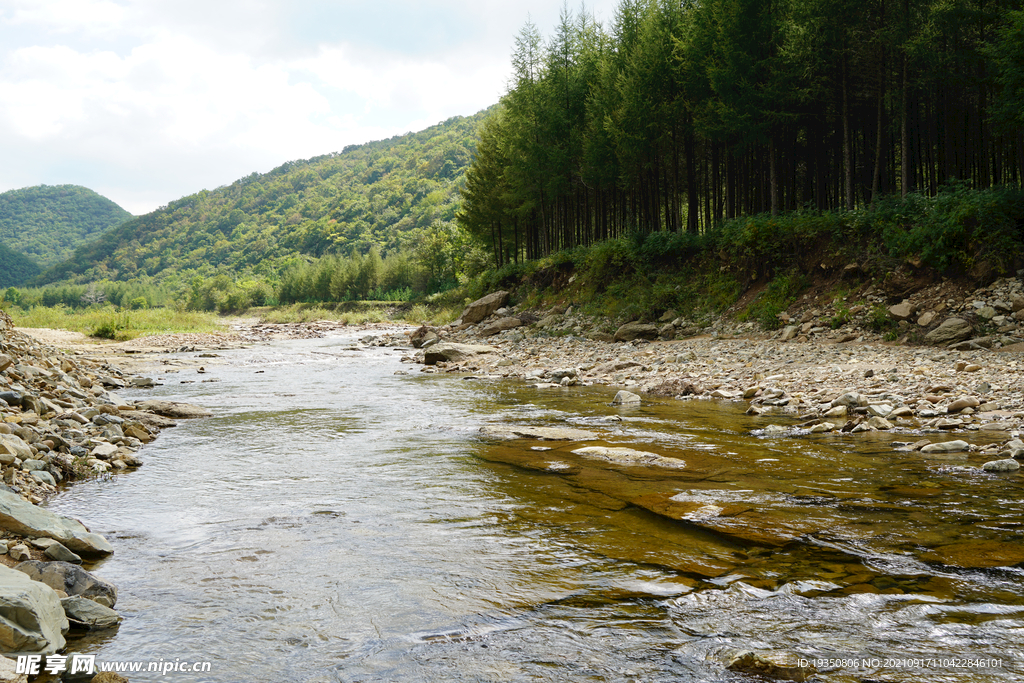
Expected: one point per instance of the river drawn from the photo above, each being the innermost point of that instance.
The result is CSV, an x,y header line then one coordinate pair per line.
x,y
336,521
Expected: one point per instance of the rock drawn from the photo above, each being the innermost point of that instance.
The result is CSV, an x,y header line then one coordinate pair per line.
x,y
73,580
19,552
9,672
1007,465
546,433
5,362
951,330
31,618
789,332
453,353
879,423
946,447
483,307
500,326
60,553
14,447
850,399
837,411
550,320
173,409
781,666
43,477
21,517
422,335
902,311
986,313
902,411
85,613
103,451
973,367
949,423
628,456
926,319
822,427
977,554
723,393
625,397
636,330
879,409
997,426
962,403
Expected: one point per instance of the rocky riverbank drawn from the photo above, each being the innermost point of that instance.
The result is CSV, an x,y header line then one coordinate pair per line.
x,y
61,420
964,391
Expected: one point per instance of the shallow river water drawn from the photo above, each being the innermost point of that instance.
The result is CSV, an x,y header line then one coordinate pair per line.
x,y
335,521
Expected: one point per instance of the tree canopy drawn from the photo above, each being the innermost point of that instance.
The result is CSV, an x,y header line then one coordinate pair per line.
x,y
680,115
47,223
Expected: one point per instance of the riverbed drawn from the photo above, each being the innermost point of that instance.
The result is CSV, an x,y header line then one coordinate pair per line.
x,y
336,521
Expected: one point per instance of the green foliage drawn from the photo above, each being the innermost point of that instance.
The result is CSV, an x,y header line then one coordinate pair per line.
x,y
776,298
389,196
878,320
110,322
47,223
15,268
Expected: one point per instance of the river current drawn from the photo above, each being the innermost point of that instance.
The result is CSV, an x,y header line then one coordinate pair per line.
x,y
336,521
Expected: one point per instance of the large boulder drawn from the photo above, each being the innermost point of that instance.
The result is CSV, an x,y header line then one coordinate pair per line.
x,y
481,308
173,409
32,620
636,330
950,331
454,353
70,578
23,518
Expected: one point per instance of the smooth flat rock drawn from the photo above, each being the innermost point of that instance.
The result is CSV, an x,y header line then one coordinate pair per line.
x,y
500,326
72,579
1007,465
546,433
173,409
32,620
453,353
24,518
150,420
85,613
951,330
946,447
636,330
628,456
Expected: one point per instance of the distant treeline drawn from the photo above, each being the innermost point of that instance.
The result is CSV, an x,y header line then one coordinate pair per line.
x,y
680,115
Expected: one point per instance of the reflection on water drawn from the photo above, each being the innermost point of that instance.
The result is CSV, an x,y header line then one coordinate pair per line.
x,y
336,522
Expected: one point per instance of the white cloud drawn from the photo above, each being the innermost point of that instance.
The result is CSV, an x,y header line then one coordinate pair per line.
x,y
151,100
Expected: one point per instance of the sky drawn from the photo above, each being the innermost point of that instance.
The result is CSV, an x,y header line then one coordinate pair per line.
x,y
147,101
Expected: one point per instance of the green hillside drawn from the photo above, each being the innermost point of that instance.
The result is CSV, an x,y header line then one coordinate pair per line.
x,y
15,267
387,194
48,222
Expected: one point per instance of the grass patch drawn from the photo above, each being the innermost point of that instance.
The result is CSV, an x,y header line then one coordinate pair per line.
x,y
110,322
779,295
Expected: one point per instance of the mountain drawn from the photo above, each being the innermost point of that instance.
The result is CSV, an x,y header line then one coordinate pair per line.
x,y
385,194
48,222
15,267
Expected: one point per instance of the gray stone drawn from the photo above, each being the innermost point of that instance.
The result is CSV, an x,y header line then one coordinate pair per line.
x,y
19,552
837,411
926,318
73,580
545,433
879,409
14,447
85,613
628,456
21,517
624,397
500,325
850,399
483,307
946,447
951,330
1007,465
454,353
636,330
879,423
103,451
57,551
902,311
5,362
987,313
32,465
9,672
790,332
44,477
173,409
32,620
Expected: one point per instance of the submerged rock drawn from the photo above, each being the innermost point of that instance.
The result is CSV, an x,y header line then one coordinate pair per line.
x,y
783,666
545,433
628,456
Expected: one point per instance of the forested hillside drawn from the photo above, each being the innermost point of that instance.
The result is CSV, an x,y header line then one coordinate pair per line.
x,y
48,222
15,267
680,116
383,196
